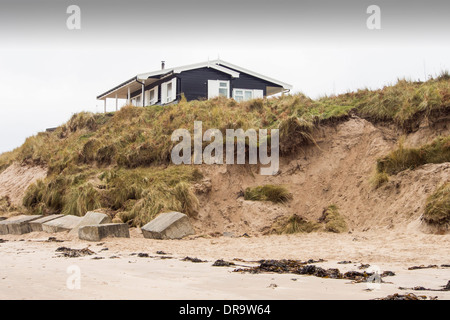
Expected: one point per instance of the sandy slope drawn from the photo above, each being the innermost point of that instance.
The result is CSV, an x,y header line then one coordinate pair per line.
x,y
336,171
15,180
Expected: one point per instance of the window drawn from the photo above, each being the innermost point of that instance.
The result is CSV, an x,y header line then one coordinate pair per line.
x,y
242,95
151,96
246,94
223,89
238,95
218,88
168,91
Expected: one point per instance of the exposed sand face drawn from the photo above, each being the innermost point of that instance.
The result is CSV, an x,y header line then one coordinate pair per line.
x,y
15,180
30,269
335,171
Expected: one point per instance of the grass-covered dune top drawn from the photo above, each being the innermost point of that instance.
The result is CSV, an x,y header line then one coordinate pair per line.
x,y
405,103
113,160
138,137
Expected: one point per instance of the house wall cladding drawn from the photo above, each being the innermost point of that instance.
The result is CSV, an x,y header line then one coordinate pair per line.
x,y
194,83
246,81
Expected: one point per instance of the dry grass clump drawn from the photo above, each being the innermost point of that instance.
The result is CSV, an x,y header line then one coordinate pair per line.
x,y
6,206
437,208
79,200
268,192
330,221
161,198
410,158
295,132
137,195
106,154
89,151
333,220
294,224
71,194
378,179
87,120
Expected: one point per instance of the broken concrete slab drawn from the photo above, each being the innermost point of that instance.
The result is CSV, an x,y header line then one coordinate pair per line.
x,y
36,225
169,225
17,225
89,219
97,232
65,223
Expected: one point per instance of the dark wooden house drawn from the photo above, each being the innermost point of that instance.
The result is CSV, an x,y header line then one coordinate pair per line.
x,y
204,80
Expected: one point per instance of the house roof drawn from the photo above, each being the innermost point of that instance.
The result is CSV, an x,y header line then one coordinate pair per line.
x,y
135,83
208,64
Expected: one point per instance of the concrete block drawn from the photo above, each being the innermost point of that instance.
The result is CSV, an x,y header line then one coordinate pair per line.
x,y
36,225
89,219
65,223
169,225
97,232
17,225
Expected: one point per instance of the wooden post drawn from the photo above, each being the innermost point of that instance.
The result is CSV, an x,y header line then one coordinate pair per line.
x,y
117,103
104,105
129,96
142,96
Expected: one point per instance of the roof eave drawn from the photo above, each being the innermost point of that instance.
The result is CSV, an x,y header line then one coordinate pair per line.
x,y
255,74
116,88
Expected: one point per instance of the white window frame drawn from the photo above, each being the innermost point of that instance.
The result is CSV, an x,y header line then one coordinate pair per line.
x,y
256,93
227,83
153,101
214,88
169,93
165,98
135,102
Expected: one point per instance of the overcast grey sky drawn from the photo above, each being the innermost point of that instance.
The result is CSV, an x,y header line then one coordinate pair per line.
x,y
48,72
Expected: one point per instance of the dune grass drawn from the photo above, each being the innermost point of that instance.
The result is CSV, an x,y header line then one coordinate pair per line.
x,y
6,206
404,104
268,192
330,221
294,224
334,222
138,137
438,151
137,195
437,208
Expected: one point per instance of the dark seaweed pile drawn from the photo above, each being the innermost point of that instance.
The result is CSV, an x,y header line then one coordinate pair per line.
x,y
74,253
408,296
195,260
305,268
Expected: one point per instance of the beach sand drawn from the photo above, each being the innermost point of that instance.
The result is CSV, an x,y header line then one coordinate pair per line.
x,y
30,267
